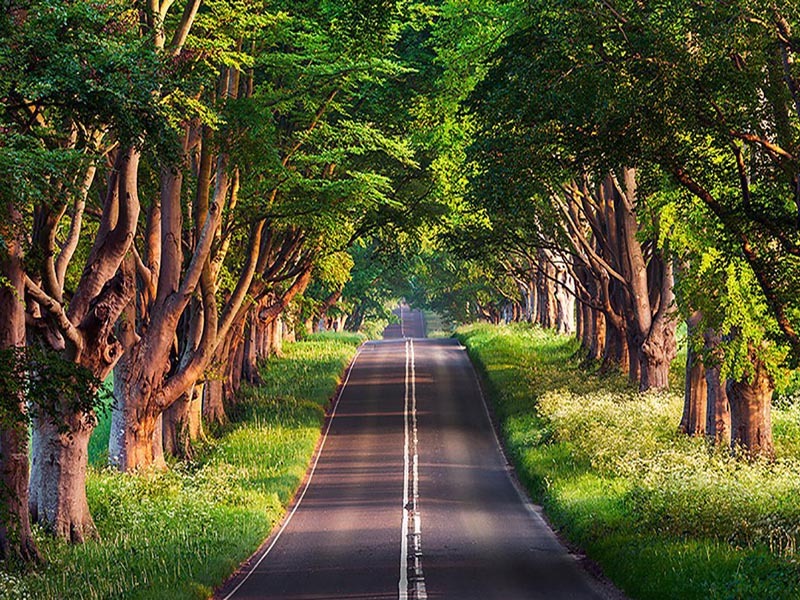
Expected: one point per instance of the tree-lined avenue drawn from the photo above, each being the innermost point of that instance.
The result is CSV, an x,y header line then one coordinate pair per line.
x,y
478,538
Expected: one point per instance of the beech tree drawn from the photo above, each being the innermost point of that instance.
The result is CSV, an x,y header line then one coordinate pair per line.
x,y
706,96
711,100
287,168
87,100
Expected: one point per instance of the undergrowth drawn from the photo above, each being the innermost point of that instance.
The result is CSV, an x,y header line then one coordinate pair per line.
x,y
666,516
178,534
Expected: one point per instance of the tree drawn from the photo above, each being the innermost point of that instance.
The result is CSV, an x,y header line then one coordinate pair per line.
x,y
71,92
706,95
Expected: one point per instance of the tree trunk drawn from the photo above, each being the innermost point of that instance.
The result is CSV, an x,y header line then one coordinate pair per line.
x,y
158,443
695,398
718,409
136,424
751,418
182,424
276,334
233,382
213,405
249,353
634,357
615,349
597,323
58,476
656,355
565,300
581,329
16,541
60,441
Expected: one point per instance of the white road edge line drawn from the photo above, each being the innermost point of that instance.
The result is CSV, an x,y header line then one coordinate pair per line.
x,y
522,495
308,481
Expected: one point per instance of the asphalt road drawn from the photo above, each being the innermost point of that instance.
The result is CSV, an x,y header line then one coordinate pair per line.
x,y
411,497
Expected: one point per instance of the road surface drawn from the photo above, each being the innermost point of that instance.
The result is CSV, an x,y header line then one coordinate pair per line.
x,y
410,497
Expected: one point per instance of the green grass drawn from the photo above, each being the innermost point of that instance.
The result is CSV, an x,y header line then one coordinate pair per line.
x,y
664,515
179,534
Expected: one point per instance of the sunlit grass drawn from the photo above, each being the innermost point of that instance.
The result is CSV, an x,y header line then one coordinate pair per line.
x,y
179,534
665,516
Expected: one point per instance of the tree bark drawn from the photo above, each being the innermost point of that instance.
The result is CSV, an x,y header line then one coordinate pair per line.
x,y
597,325
564,293
615,348
718,411
250,355
16,540
656,355
182,424
751,404
213,406
634,357
58,475
695,397
276,337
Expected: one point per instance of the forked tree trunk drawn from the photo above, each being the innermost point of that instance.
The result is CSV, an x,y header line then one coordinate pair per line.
x,y
182,422
695,397
60,442
751,418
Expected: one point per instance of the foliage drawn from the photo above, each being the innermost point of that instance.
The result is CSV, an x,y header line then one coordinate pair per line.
x,y
180,533
616,477
705,95
45,379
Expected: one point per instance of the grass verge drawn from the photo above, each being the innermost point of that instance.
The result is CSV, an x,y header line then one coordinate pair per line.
x,y
665,516
179,534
